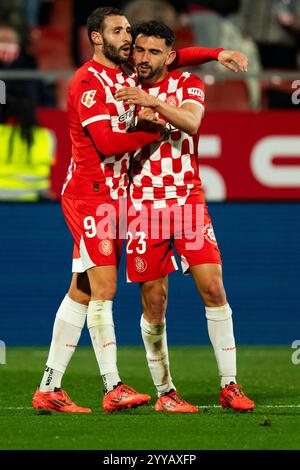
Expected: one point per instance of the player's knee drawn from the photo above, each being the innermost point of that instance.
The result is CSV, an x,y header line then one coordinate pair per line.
x,y
79,296
105,291
156,301
214,292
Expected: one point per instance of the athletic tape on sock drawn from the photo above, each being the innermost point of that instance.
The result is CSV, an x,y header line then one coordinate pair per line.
x,y
100,313
72,312
218,313
151,328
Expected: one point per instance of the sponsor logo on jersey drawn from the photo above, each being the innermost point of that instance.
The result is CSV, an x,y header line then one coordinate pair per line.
x,y
88,98
126,116
140,264
209,233
196,92
105,247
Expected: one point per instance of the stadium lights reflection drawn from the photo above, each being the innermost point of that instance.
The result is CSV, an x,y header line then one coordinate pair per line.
x,y
276,80
209,79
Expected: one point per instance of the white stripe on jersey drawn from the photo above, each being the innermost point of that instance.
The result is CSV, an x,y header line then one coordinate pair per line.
x,y
194,102
105,77
99,117
179,94
172,87
153,91
131,81
120,78
72,167
97,75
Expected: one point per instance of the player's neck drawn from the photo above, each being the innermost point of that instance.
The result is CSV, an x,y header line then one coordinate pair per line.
x,y
157,78
99,57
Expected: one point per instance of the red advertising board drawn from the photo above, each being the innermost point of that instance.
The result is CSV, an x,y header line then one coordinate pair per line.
x,y
243,155
251,156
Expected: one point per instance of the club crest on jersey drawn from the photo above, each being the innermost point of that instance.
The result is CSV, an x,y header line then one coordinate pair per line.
x,y
172,101
196,92
140,264
105,247
88,98
209,234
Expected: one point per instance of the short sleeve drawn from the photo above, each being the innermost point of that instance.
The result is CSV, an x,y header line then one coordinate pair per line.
x,y
91,103
193,91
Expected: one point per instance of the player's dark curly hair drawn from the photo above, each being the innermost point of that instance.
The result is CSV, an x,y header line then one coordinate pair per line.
x,y
155,28
95,21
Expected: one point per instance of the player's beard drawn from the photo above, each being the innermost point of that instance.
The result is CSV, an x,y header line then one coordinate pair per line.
x,y
150,74
113,53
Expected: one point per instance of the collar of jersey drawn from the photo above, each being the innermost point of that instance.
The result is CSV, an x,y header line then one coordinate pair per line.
x,y
98,66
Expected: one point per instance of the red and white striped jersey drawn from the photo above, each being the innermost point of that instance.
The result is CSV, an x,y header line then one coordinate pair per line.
x,y
91,98
169,169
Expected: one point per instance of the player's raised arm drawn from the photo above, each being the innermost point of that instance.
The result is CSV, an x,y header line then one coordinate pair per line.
x,y
232,60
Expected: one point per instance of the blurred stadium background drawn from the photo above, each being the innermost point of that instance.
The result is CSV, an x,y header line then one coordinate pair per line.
x,y
249,159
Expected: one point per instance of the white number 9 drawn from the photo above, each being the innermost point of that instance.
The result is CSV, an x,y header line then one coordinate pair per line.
x,y
90,226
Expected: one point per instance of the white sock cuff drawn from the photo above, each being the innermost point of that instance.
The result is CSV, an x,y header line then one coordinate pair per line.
x,y
56,365
100,313
72,312
221,313
151,328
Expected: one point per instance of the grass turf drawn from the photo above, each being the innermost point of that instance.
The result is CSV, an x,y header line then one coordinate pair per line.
x,y
266,372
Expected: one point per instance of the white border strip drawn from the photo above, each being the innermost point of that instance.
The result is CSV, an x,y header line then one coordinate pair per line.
x,y
194,102
99,117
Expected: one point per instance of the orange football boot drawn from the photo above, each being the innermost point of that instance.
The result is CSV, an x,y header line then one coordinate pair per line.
x,y
171,402
122,397
232,396
58,400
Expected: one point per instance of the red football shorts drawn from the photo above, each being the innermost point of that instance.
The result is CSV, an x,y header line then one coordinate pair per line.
x,y
97,228
154,232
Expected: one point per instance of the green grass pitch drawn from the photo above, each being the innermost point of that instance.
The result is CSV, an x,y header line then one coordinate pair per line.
x,y
266,373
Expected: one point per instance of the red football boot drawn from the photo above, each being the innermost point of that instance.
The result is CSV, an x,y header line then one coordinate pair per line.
x,y
58,400
122,397
171,402
232,396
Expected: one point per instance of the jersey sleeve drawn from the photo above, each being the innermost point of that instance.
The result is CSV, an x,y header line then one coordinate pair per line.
x,y
194,56
90,103
194,91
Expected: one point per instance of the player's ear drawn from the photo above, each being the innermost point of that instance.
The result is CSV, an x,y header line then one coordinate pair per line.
x,y
96,38
171,57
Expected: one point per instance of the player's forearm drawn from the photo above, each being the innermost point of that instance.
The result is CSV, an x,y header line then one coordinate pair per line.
x,y
109,143
180,118
195,56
